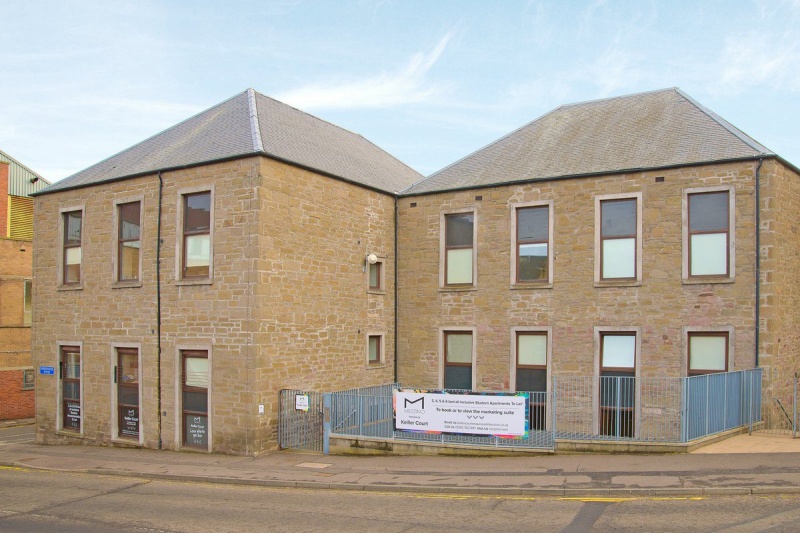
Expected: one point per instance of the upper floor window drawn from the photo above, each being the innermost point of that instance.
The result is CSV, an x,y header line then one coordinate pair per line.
x,y
27,305
376,273
73,255
459,238
128,241
375,349
196,258
533,244
709,239
618,239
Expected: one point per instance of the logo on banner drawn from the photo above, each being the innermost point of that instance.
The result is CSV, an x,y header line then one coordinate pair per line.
x,y
416,410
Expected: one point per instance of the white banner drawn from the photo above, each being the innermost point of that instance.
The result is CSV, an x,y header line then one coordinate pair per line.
x,y
474,414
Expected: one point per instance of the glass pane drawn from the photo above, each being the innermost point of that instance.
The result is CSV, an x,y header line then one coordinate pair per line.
x,y
196,372
374,275
196,430
618,218
195,401
617,389
707,353
198,255
129,221
532,262
531,349
128,367
458,377
72,390
74,256
459,348
374,349
459,266
532,224
129,261
619,351
28,303
532,380
459,229
197,212
708,212
619,258
72,364
709,254
72,227
128,395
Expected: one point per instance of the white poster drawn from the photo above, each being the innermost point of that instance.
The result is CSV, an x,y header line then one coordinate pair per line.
x,y
301,402
473,414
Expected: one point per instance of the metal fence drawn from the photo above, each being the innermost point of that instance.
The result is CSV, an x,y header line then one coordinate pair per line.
x,y
300,420
668,410
780,403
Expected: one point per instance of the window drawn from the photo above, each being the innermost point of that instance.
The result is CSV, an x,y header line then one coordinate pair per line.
x,y
458,352
72,248
28,379
375,281
709,240
617,384
27,308
70,375
458,248
533,235
708,352
194,381
128,241
196,257
618,239
375,350
531,374
126,377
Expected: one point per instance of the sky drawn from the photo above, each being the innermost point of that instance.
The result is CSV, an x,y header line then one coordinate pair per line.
x,y
428,81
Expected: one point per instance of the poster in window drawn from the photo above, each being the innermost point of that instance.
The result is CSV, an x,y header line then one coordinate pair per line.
x,y
197,431
72,418
129,421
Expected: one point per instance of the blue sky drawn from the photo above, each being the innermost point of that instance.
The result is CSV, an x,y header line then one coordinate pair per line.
x,y
428,81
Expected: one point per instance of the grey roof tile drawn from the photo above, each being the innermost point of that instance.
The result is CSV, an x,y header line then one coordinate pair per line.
x,y
249,124
647,130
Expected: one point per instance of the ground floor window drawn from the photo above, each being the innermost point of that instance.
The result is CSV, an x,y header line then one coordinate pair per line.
x,y
70,374
531,374
194,384
458,360
708,352
127,379
617,384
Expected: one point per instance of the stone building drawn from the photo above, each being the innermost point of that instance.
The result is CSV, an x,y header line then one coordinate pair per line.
x,y
634,236
253,248
17,377
182,282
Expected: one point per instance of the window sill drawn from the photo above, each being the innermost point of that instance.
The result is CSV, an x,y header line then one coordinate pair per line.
x,y
458,289
621,283
126,442
204,281
372,367
530,286
68,433
380,292
194,449
126,284
706,281
78,287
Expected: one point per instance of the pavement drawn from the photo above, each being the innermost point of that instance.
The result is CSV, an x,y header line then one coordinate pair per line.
x,y
745,464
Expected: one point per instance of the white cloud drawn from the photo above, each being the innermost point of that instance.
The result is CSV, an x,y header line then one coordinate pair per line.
x,y
752,60
405,86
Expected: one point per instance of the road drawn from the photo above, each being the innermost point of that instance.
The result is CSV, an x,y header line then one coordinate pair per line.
x,y
32,500
16,435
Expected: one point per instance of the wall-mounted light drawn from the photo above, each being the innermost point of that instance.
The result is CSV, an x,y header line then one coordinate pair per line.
x,y
372,259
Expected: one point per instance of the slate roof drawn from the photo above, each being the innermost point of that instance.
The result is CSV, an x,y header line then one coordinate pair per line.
x,y
647,130
249,124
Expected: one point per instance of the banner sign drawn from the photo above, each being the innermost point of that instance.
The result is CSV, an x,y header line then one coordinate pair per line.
x,y
498,414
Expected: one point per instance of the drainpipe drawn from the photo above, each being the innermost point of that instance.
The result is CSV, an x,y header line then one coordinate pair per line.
x,y
758,256
158,299
395,287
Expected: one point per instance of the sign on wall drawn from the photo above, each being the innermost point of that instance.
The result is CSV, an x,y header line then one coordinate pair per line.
x,y
498,414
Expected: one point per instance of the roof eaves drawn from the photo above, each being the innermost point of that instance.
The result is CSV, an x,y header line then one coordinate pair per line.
x,y
405,194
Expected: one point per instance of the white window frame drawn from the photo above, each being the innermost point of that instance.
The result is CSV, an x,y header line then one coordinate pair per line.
x,y
706,329
548,332
599,331
515,249
441,349
179,236
59,389
179,349
60,262
598,235
686,277
443,249
115,258
114,392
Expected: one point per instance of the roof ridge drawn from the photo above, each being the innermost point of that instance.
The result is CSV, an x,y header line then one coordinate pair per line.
x,y
255,126
620,97
736,132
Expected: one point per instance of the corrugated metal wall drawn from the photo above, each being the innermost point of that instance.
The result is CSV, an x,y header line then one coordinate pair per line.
x,y
20,176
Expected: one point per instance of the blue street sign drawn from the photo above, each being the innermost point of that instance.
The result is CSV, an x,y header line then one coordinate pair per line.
x,y
47,370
